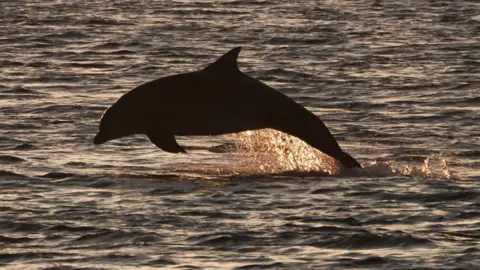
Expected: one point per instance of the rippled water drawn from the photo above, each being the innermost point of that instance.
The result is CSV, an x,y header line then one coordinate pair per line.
x,y
395,81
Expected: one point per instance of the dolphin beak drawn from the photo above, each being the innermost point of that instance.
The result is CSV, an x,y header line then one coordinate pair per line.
x,y
99,139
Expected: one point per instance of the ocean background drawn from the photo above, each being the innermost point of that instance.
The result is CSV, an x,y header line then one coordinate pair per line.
x,y
396,82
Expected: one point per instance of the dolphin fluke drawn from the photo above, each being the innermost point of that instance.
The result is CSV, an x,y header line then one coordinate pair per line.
x,y
216,100
348,161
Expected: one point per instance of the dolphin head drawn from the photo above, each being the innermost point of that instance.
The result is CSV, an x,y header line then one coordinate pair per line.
x,y
115,124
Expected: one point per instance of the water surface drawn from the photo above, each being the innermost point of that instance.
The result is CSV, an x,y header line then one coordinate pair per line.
x,y
396,82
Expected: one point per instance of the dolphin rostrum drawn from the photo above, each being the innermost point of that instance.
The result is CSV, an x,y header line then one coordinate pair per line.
x,y
218,99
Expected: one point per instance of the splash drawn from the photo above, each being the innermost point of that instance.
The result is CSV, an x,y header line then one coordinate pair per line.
x,y
271,151
268,151
276,152
432,167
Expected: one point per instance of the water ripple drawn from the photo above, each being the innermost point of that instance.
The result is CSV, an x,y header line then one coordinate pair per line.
x,y
395,82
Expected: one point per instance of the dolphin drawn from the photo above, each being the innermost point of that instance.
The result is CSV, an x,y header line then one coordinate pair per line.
x,y
217,99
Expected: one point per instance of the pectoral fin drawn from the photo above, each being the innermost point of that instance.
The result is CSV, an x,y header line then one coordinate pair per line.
x,y
166,142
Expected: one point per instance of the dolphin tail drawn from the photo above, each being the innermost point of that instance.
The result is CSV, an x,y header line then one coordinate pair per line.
x,y
348,161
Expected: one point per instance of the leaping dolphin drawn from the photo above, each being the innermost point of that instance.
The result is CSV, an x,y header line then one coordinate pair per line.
x,y
218,99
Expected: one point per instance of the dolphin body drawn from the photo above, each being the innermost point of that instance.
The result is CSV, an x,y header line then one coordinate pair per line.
x,y
218,99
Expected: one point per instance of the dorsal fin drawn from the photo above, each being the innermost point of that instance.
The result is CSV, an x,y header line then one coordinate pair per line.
x,y
227,62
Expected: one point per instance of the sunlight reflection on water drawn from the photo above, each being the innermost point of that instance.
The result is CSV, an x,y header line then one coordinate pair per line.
x,y
395,82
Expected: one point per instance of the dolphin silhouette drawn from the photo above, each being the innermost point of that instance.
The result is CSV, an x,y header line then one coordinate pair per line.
x,y
218,99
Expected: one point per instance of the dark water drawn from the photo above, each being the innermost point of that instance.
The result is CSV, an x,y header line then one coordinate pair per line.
x,y
395,81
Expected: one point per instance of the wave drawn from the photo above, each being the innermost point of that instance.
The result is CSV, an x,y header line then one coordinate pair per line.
x,y
11,175
372,240
8,159
227,239
22,91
